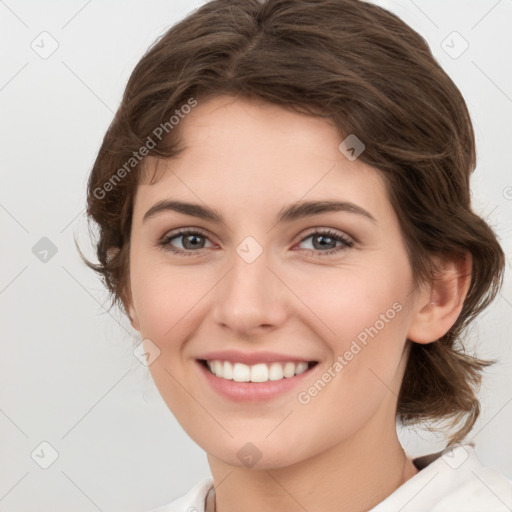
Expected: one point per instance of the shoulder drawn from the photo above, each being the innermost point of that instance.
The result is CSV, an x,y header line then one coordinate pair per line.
x,y
451,480
192,501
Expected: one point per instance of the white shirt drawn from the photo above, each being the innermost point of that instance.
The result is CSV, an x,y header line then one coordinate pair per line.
x,y
449,481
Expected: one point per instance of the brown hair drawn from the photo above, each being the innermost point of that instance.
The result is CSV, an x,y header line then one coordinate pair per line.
x,y
373,76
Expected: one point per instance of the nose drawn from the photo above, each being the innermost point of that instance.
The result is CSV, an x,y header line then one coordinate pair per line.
x,y
251,297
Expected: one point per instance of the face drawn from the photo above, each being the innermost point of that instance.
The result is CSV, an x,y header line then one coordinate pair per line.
x,y
329,287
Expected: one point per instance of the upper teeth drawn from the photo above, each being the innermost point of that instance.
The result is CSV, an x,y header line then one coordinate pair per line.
x,y
260,372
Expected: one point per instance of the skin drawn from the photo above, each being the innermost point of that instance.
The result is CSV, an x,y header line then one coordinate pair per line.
x,y
247,159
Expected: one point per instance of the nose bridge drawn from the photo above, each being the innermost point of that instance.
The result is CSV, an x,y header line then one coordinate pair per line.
x,y
250,277
249,295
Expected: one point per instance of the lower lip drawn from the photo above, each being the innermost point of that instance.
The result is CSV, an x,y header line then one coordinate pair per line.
x,y
253,391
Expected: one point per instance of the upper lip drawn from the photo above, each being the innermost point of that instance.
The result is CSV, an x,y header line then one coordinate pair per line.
x,y
236,356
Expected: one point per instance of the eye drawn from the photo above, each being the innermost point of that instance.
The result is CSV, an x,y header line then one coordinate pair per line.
x,y
324,242
191,241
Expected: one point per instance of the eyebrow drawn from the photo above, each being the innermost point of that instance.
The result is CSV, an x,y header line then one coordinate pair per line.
x,y
288,213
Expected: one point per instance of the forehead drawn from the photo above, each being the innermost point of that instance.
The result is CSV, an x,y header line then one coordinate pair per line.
x,y
239,150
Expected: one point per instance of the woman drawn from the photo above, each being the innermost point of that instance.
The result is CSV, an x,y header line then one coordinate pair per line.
x,y
284,213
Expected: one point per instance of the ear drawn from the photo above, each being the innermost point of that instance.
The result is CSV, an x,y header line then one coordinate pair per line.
x,y
439,305
134,319
129,308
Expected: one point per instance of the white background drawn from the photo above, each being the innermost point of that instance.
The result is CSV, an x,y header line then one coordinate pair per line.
x,y
68,374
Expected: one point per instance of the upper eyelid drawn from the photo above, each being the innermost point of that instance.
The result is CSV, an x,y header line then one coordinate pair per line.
x,y
184,231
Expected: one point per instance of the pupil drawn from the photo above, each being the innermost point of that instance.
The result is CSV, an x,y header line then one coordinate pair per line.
x,y
324,238
188,238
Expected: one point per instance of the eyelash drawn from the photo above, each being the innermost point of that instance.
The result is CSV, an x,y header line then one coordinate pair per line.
x,y
165,242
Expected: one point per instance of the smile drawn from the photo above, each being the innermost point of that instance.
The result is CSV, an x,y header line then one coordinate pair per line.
x,y
261,372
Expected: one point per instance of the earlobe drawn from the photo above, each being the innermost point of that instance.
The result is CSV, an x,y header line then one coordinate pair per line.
x,y
439,306
129,308
134,320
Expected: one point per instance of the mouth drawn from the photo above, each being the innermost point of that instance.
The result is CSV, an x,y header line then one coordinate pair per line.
x,y
256,373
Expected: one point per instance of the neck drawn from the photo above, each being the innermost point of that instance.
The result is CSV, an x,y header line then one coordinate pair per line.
x,y
353,475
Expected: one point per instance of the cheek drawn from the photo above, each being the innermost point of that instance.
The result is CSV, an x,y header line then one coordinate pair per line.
x,y
364,312
365,354
165,296
350,301
368,341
